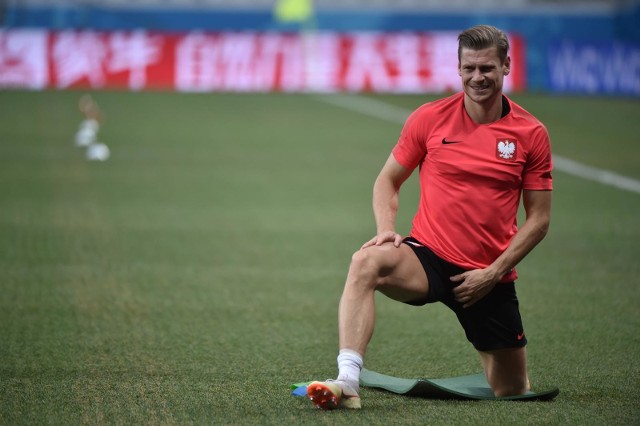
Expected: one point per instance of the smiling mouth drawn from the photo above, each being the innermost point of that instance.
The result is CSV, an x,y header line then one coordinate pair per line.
x,y
480,90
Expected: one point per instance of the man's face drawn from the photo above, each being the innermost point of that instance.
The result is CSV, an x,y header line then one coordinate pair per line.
x,y
482,74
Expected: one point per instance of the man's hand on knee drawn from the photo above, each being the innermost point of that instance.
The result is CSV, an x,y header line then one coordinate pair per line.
x,y
384,237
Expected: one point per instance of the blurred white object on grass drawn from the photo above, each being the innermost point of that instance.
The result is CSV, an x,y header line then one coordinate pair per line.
x,y
87,132
98,152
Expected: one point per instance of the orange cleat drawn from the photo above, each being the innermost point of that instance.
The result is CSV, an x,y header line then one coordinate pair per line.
x,y
333,394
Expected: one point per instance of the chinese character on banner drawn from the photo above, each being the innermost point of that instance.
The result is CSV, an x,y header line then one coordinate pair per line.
x,y
194,55
443,62
226,61
366,67
78,57
134,52
23,59
321,61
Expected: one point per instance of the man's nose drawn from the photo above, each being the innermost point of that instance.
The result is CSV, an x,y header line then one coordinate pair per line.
x,y
477,75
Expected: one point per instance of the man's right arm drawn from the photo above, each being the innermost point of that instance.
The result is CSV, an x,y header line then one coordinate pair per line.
x,y
386,191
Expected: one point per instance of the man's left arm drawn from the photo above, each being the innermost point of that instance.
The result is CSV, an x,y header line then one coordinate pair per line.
x,y
476,284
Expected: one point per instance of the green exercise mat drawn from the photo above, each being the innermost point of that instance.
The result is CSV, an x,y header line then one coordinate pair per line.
x,y
474,386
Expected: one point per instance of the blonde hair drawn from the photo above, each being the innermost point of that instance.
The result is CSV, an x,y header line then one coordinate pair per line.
x,y
483,37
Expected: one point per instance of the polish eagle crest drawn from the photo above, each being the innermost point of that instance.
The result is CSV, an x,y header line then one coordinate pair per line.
x,y
506,149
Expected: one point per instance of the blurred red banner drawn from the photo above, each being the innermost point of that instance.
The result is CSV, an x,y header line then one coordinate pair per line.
x,y
239,62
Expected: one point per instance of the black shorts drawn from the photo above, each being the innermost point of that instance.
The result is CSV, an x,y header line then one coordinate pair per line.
x,y
492,323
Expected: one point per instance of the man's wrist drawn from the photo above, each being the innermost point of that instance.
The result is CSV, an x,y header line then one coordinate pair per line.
x,y
495,273
386,230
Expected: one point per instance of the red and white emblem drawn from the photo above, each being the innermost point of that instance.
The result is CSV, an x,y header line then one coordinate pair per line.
x,y
506,149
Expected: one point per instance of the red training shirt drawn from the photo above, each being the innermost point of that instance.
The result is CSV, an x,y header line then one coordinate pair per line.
x,y
471,178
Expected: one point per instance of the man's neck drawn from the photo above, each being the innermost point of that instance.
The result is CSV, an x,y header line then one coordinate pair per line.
x,y
486,112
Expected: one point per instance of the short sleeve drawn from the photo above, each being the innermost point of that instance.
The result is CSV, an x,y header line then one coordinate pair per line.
x,y
537,174
411,147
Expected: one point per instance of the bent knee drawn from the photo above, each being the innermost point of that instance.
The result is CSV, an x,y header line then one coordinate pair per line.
x,y
511,389
365,263
371,263
506,371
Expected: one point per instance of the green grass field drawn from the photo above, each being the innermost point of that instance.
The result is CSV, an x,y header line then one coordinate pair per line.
x,y
195,275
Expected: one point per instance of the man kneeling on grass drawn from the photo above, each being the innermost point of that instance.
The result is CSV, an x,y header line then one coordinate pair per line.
x,y
478,152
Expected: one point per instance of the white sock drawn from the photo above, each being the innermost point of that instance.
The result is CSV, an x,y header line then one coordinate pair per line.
x,y
349,366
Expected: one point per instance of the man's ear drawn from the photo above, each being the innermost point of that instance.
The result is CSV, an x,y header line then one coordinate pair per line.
x,y
507,65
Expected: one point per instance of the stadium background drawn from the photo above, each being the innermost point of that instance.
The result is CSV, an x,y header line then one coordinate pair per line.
x,y
578,46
